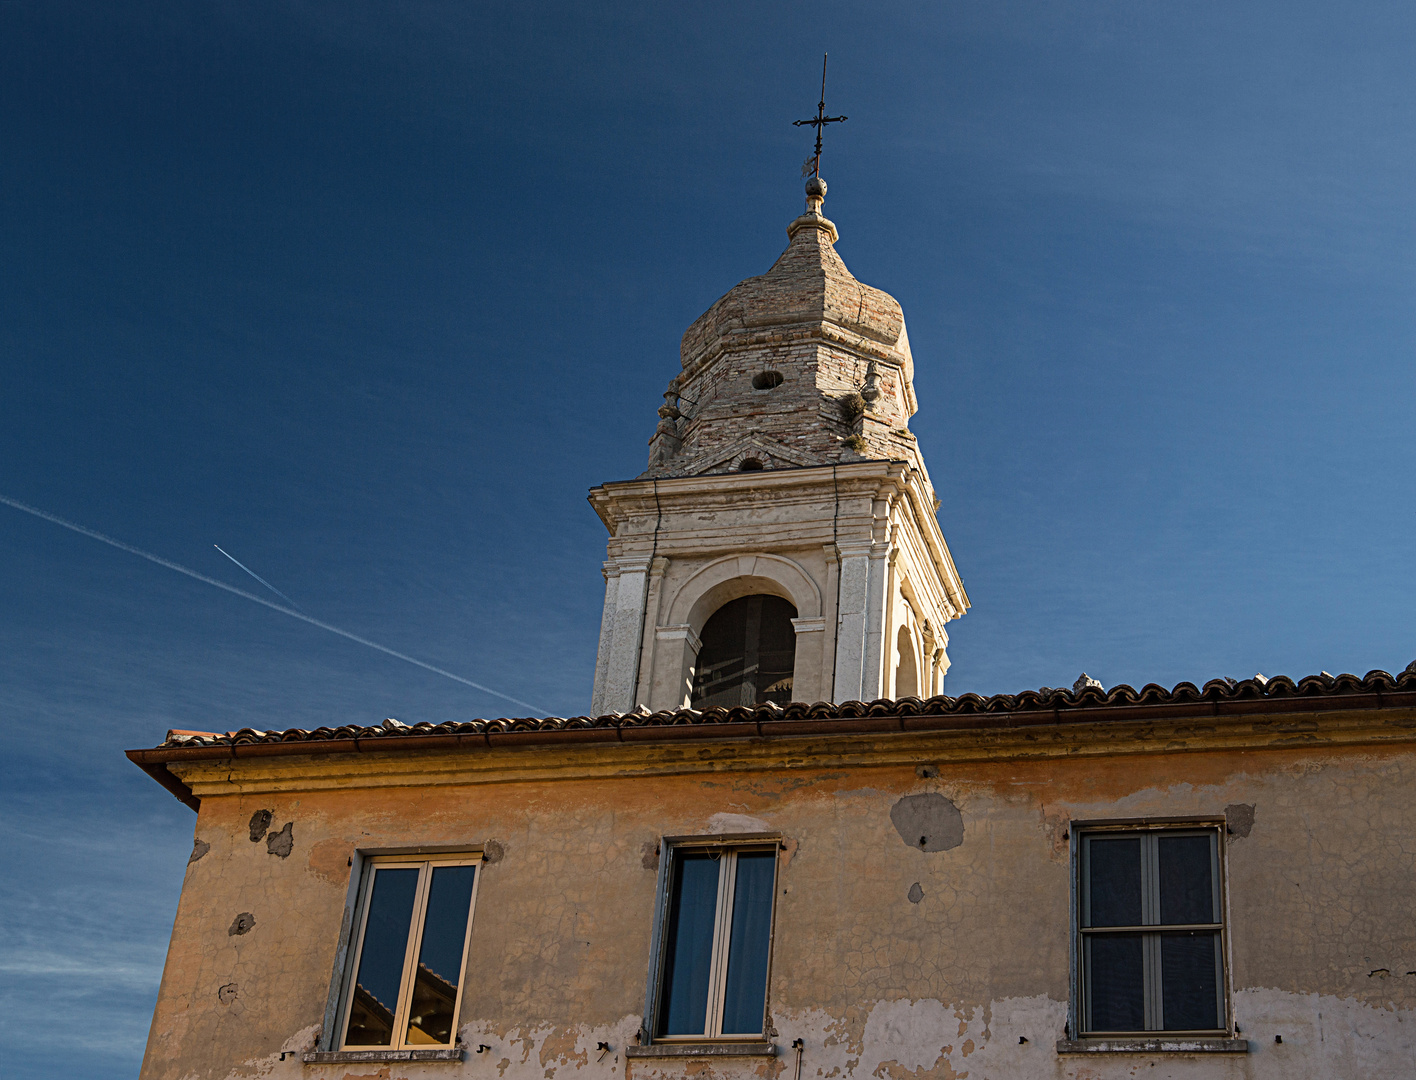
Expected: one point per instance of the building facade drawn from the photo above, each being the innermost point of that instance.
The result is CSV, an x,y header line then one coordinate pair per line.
x,y
711,877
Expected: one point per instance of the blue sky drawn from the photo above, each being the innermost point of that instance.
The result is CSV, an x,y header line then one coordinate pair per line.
x,y
370,295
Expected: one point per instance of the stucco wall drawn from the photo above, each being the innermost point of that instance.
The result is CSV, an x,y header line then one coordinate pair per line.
x,y
948,984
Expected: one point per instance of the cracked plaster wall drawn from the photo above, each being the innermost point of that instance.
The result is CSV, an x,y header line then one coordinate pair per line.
x,y
889,961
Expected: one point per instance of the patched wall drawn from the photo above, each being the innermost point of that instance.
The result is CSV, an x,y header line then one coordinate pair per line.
x,y
922,921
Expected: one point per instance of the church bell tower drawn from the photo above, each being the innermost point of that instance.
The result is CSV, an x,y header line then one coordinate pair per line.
x,y
782,545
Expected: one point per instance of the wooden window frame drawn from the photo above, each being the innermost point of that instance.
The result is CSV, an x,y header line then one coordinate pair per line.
x,y
728,846
426,864
1151,929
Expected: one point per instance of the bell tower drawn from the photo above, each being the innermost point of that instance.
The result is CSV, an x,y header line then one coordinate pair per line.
x,y
782,545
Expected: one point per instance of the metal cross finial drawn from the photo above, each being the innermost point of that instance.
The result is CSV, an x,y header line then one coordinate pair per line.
x,y
819,121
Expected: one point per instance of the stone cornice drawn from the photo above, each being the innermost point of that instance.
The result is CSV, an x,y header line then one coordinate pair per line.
x,y
410,760
618,500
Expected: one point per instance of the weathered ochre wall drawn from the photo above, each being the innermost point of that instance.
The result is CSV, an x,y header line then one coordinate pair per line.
x,y
1320,891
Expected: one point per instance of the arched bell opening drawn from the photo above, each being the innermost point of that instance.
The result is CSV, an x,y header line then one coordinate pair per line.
x,y
748,654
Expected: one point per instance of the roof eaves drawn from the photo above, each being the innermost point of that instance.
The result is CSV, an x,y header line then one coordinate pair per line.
x,y
1031,708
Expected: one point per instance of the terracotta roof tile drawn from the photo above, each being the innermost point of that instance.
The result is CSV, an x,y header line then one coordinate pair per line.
x,y
1276,690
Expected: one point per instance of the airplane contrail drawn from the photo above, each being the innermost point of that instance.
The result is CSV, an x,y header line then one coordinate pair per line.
x,y
257,576
150,557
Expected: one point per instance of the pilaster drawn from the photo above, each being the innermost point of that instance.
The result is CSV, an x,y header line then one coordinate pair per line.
x,y
852,618
626,618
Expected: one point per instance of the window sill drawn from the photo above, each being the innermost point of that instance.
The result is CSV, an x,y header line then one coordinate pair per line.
x,y
702,1049
1194,1044
352,1057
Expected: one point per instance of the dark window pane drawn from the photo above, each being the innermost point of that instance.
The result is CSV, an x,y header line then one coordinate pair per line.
x,y
688,946
440,956
381,963
1188,973
1116,978
745,1001
1115,869
1186,885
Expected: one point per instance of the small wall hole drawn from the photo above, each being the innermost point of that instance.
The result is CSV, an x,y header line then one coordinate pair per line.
x,y
767,380
750,465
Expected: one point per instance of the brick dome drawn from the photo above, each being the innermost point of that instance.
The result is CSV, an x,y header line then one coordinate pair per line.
x,y
807,287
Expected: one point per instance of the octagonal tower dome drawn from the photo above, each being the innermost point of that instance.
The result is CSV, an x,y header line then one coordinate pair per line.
x,y
802,365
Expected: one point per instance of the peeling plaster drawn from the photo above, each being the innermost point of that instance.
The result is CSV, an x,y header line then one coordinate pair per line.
x,y
561,934
244,923
260,822
926,1039
928,821
1240,817
282,842
199,848
737,823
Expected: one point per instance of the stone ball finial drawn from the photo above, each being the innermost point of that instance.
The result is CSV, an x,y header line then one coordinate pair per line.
x,y
816,188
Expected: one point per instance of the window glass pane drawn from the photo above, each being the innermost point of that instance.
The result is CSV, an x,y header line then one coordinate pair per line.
x,y
745,1001
688,946
440,956
1186,886
381,962
1117,980
1115,868
1188,974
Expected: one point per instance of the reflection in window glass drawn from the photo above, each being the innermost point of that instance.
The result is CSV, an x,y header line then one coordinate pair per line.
x,y
381,961
410,954
439,969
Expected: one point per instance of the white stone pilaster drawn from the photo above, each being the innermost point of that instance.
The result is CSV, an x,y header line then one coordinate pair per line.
x,y
851,628
872,683
607,636
620,667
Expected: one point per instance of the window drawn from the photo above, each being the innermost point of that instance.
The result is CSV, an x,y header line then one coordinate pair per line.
x,y
1150,931
747,656
717,937
414,922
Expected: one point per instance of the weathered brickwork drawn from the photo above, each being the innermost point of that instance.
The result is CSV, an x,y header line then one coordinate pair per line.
x,y
803,365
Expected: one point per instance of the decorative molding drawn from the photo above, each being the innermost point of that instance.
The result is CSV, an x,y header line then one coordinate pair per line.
x,y
749,445
679,632
787,574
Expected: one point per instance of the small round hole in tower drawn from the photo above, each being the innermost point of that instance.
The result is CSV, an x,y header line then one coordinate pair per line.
x,y
750,465
767,380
